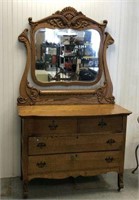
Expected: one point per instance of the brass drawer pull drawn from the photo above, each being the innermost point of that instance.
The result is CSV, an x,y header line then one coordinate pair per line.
x,y
41,164
102,123
41,145
110,141
109,159
53,126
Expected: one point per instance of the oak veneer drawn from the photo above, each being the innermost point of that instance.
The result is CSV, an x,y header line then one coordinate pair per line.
x,y
72,140
71,110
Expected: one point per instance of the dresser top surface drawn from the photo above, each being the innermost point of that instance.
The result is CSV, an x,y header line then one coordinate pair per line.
x,y
71,110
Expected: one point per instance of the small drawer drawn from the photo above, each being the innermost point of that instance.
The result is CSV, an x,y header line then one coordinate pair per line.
x,y
51,145
41,126
74,162
100,124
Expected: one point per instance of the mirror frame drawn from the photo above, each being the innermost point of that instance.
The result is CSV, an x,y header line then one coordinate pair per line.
x,y
44,93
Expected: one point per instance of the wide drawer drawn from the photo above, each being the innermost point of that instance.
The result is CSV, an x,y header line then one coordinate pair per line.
x,y
74,162
51,126
50,145
100,124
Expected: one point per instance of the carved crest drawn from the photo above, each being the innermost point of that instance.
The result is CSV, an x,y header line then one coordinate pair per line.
x,y
68,17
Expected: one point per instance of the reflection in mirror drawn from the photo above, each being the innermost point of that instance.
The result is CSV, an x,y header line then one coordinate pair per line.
x,y
67,55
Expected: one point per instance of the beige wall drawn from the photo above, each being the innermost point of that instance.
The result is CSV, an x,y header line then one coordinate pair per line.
x,y
123,62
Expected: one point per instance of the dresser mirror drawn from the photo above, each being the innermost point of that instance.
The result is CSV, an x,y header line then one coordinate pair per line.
x,y
66,60
66,55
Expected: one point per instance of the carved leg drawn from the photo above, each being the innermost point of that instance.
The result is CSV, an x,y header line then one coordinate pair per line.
x,y
25,189
120,181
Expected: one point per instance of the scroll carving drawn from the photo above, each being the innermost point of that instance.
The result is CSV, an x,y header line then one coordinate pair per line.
x,y
68,18
28,95
101,94
32,95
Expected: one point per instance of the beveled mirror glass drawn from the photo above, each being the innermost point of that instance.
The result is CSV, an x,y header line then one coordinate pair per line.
x,y
67,55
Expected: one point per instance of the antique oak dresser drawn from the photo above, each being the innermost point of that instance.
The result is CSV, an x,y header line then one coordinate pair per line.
x,y
70,124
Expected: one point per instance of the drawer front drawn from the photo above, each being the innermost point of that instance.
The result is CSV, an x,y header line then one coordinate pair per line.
x,y
100,124
50,145
51,126
74,162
